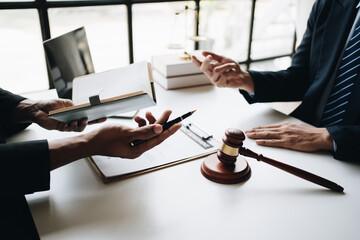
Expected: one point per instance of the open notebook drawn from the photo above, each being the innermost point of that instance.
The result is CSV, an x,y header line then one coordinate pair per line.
x,y
111,92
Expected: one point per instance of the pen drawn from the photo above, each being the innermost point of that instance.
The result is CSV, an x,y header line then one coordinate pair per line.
x,y
166,126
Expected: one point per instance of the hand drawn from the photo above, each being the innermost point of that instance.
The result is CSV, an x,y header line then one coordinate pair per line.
x,y
224,72
151,119
117,139
292,136
29,111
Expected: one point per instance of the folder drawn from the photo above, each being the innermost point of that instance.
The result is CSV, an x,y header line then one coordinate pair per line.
x,y
108,93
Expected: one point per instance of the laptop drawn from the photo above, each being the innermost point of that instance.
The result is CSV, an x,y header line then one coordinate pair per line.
x,y
68,56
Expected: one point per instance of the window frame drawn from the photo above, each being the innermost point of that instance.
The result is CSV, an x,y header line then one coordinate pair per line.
x,y
42,6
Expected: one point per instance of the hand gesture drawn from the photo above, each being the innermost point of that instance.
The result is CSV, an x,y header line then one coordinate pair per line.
x,y
224,72
114,140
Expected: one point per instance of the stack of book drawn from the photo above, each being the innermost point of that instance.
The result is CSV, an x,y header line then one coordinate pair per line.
x,y
174,71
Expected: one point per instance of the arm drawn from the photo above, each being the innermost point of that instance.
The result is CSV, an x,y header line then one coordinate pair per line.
x,y
286,85
110,140
8,103
292,83
26,166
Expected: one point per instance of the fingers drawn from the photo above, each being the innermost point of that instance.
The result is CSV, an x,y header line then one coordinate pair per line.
x,y
146,132
263,135
82,125
164,117
272,143
260,128
140,121
275,131
160,138
219,71
74,126
150,117
67,102
213,55
196,61
97,121
206,66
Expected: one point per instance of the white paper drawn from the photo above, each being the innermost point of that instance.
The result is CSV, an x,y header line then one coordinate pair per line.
x,y
113,83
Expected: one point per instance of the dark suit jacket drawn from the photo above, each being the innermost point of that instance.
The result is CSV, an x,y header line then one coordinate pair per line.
x,y
25,168
310,76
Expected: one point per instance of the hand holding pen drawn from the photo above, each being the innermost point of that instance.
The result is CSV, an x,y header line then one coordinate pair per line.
x,y
163,120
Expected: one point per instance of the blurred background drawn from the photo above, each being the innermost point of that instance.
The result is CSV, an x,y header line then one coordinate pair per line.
x,y
259,34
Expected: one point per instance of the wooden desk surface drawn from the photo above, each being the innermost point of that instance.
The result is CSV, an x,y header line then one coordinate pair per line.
x,y
179,203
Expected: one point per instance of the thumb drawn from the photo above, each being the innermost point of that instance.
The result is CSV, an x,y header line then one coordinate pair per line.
x,y
147,132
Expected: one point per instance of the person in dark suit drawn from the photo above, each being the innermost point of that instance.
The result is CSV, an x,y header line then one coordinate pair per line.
x,y
323,75
26,166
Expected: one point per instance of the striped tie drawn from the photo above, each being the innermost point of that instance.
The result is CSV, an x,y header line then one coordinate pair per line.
x,y
345,79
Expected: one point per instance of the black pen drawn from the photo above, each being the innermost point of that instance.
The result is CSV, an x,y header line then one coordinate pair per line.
x,y
166,126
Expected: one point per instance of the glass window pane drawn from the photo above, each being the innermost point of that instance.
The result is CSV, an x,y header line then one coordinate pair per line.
x,y
159,30
271,65
22,60
274,27
106,30
226,26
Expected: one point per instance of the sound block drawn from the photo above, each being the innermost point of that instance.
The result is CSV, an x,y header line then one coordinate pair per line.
x,y
216,171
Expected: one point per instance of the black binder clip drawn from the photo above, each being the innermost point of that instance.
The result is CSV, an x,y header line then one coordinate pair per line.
x,y
94,100
198,132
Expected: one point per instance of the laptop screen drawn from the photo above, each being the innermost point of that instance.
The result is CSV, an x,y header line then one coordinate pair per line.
x,y
68,56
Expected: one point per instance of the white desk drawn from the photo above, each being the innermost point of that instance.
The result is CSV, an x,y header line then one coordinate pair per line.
x,y
179,203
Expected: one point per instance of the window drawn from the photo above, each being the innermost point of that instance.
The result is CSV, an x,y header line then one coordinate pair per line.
x,y
21,55
106,31
257,33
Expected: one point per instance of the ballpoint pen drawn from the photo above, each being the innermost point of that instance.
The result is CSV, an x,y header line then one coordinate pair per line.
x,y
165,126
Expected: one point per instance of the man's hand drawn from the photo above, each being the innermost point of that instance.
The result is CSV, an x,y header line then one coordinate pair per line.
x,y
29,111
117,139
224,72
111,140
292,136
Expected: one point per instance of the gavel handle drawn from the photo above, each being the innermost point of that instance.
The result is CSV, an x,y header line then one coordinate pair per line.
x,y
293,170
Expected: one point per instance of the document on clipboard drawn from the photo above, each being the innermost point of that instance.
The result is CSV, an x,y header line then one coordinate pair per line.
x,y
188,143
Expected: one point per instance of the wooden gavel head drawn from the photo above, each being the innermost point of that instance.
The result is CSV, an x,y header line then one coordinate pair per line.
x,y
232,142
226,166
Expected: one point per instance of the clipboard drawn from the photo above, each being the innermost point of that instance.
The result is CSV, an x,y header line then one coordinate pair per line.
x,y
187,144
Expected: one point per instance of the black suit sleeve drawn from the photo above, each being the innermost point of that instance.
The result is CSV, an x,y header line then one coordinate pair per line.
x,y
292,83
8,102
347,139
25,167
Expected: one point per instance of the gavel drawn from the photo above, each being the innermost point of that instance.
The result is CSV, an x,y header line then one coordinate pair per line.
x,y
222,167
